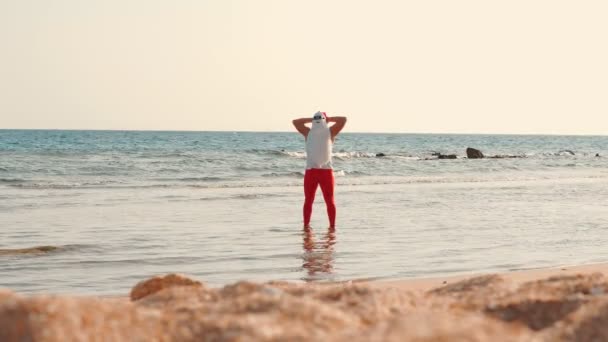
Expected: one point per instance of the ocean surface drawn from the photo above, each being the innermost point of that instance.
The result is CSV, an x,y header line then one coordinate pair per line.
x,y
120,206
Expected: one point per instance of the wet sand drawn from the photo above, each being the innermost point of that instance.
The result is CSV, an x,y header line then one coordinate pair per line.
x,y
516,277
559,304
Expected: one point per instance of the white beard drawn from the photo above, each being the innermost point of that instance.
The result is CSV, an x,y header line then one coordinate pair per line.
x,y
319,124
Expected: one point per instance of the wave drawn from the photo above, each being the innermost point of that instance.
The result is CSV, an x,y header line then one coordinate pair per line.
x,y
553,154
295,174
248,196
302,154
403,180
250,168
352,173
400,157
193,179
11,180
268,152
353,155
109,184
363,180
49,249
254,196
74,185
29,251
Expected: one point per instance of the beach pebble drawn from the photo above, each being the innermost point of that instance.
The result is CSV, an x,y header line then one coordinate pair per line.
x,y
153,285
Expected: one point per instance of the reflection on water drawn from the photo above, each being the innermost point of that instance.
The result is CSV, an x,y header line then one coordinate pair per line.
x,y
318,255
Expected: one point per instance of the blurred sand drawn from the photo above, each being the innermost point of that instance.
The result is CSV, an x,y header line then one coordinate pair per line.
x,y
560,304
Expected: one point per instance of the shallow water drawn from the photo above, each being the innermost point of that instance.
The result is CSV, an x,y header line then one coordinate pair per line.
x,y
122,206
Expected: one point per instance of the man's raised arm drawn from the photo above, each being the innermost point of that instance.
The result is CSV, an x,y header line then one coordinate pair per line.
x,y
340,121
299,124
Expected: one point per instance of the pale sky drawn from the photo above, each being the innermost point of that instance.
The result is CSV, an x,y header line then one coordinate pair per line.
x,y
516,66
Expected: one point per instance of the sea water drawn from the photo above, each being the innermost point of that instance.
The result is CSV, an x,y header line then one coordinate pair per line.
x,y
121,206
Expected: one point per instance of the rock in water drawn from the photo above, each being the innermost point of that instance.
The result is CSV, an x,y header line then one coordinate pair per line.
x,y
447,156
499,156
474,153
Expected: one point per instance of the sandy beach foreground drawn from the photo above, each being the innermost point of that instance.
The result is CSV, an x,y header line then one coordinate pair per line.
x,y
558,304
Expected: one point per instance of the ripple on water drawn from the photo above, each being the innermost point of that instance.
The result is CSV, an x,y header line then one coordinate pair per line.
x,y
43,250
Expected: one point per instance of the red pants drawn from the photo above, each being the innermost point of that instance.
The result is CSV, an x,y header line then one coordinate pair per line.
x,y
324,178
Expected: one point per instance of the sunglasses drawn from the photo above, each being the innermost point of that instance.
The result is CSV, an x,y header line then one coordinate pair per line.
x,y
317,117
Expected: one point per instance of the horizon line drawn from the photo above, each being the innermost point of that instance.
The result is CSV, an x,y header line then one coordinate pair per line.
x,y
254,131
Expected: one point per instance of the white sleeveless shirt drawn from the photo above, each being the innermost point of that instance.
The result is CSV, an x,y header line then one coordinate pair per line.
x,y
319,147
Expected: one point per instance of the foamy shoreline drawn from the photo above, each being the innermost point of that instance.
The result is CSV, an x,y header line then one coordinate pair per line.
x,y
552,304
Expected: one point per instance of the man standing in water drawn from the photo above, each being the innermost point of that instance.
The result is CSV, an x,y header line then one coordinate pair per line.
x,y
320,138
